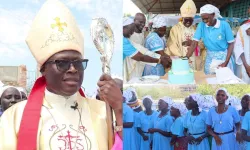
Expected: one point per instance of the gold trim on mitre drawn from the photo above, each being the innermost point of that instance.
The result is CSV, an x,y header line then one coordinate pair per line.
x,y
54,29
188,9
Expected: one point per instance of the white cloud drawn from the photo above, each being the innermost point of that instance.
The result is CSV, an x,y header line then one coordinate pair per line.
x,y
14,28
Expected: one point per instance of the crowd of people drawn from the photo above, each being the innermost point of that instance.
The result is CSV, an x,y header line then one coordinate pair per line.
x,y
202,122
209,45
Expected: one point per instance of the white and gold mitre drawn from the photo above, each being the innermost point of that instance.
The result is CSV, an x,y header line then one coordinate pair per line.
x,y
54,29
188,9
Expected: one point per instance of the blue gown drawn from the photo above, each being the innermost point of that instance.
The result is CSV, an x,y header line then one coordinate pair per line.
x,y
228,119
246,126
128,133
154,43
196,125
146,122
137,134
161,142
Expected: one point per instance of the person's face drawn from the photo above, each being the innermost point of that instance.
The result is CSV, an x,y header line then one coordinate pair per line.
x,y
208,19
248,31
24,97
188,21
140,21
221,97
245,102
174,112
9,97
147,103
68,82
190,103
161,31
162,105
128,30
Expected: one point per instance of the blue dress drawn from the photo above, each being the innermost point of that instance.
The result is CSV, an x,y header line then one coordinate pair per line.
x,y
128,49
216,41
146,122
196,125
224,123
154,43
128,133
246,126
161,142
177,128
137,134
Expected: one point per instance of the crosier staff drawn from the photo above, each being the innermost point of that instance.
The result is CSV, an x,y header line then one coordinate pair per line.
x,y
103,38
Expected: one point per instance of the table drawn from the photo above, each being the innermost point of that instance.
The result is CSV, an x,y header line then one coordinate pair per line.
x,y
199,76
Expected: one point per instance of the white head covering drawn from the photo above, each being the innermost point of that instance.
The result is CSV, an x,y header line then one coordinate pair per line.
x,y
127,21
128,95
182,108
200,100
188,9
209,9
147,96
3,88
167,100
159,21
222,89
209,102
1,84
234,102
53,30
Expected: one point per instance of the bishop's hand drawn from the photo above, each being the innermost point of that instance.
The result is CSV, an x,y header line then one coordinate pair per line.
x,y
110,92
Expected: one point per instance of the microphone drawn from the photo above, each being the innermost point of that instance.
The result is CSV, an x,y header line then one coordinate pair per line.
x,y
75,106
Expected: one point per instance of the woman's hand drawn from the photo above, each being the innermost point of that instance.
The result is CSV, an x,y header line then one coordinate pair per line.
x,y
223,64
239,137
198,140
218,140
152,130
191,139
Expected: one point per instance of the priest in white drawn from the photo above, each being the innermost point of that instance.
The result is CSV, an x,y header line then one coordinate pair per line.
x,y
242,52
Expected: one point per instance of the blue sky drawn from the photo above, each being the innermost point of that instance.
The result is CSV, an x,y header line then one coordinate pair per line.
x,y
16,17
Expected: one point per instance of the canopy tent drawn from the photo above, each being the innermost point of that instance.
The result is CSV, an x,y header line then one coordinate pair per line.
x,y
173,6
173,20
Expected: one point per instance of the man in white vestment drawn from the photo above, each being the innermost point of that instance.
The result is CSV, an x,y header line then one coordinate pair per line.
x,y
242,51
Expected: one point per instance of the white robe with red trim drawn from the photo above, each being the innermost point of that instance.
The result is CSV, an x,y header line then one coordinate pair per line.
x,y
60,126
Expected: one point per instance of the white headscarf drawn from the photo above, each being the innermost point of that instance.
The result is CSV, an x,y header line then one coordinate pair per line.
x,y
167,100
128,95
159,21
200,100
222,89
209,102
182,108
147,96
209,9
1,84
2,89
127,21
234,102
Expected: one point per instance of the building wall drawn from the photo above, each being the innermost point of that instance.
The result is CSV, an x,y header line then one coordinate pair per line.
x,y
14,75
238,9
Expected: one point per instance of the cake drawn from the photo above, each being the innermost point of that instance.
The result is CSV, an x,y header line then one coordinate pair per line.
x,y
180,72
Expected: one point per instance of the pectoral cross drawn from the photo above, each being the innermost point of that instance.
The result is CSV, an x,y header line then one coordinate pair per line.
x,y
59,24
